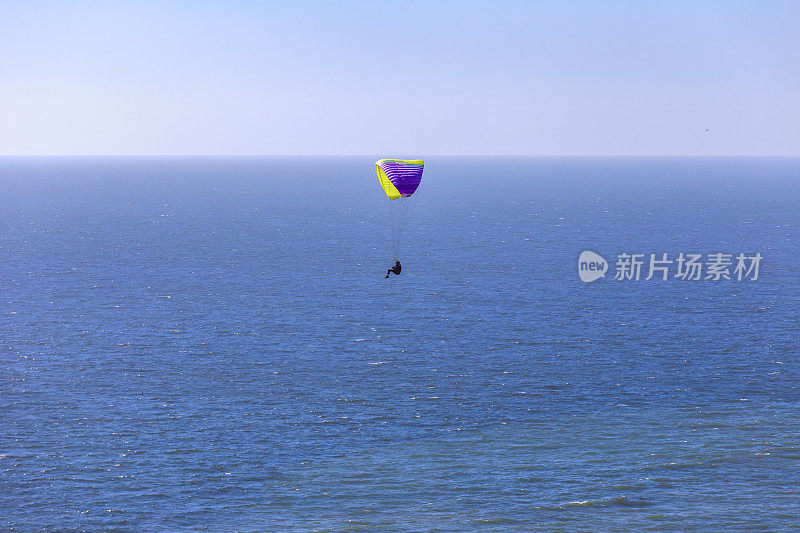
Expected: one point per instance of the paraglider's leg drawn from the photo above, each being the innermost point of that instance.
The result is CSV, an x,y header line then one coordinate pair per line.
x,y
388,272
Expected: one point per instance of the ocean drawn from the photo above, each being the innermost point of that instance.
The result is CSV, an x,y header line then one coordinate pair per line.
x,y
209,344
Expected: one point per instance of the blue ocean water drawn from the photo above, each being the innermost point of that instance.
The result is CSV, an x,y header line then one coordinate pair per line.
x,y
210,344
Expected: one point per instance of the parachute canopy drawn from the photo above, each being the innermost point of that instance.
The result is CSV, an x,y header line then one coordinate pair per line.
x,y
399,177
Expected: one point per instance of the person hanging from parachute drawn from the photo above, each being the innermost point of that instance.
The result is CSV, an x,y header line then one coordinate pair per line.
x,y
399,179
395,269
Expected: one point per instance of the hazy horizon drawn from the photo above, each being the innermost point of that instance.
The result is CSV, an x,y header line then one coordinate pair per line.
x,y
449,78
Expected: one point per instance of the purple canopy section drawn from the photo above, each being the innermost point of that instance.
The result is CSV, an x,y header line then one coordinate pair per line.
x,y
404,175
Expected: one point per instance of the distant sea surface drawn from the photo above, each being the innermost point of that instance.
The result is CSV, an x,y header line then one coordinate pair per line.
x,y
210,344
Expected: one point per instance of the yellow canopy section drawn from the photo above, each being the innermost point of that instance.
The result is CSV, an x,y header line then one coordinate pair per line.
x,y
390,190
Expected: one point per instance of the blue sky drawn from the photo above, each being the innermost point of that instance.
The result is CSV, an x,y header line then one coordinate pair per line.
x,y
410,77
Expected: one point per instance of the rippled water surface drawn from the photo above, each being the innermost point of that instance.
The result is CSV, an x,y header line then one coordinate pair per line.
x,y
210,344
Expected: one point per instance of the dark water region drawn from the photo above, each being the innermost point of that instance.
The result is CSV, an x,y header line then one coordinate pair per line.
x,y
210,344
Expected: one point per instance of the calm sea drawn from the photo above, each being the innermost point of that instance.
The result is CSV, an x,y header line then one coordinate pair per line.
x,y
210,344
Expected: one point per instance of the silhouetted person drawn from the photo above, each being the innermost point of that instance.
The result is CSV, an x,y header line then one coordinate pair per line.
x,y
395,269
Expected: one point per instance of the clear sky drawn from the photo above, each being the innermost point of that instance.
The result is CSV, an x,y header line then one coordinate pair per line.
x,y
400,77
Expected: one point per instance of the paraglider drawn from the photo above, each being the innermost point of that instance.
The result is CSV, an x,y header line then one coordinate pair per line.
x,y
399,179
396,269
